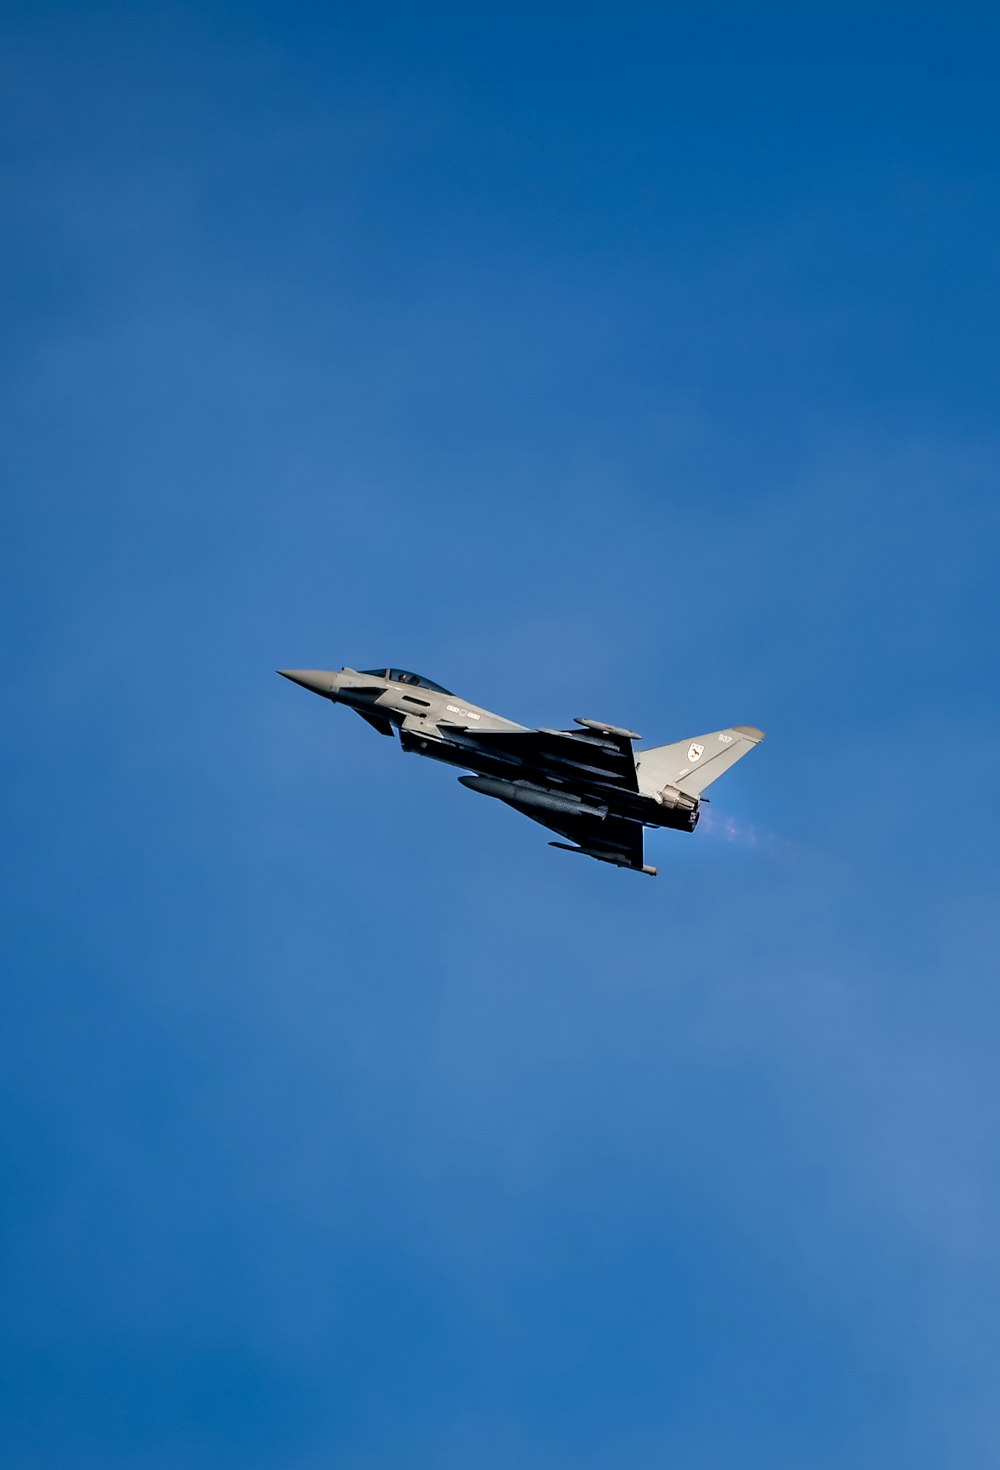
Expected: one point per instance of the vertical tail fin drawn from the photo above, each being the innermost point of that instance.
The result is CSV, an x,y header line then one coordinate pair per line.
x,y
691,765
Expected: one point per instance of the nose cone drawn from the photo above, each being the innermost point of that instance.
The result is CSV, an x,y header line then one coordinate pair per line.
x,y
317,681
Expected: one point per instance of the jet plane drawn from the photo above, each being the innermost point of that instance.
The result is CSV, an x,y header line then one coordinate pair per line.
x,y
588,785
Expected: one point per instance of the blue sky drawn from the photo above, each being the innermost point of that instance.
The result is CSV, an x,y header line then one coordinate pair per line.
x,y
593,363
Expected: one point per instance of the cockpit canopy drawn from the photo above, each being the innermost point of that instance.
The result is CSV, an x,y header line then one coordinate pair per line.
x,y
403,676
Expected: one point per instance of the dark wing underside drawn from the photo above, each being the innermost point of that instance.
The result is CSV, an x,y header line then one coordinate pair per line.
x,y
613,840
570,754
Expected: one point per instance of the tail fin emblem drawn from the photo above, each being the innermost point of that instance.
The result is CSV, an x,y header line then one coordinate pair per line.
x,y
695,753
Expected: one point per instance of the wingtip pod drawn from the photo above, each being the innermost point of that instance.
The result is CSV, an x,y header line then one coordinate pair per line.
x,y
602,729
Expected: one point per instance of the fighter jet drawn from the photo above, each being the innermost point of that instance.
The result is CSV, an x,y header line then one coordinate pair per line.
x,y
587,785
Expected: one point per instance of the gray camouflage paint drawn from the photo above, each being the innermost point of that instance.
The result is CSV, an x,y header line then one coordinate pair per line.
x,y
585,784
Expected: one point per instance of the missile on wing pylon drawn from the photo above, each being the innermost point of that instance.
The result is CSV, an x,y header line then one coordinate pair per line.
x,y
604,857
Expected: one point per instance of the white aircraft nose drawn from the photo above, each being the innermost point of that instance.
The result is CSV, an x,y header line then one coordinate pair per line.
x,y
317,681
